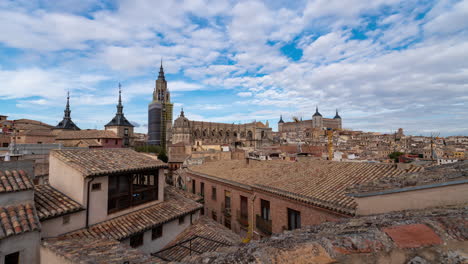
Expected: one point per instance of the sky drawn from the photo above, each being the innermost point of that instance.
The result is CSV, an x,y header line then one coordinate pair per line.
x,y
384,64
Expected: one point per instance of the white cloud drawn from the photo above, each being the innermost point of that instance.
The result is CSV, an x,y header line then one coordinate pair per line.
x,y
244,94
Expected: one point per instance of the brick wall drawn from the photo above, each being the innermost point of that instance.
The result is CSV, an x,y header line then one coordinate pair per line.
x,y
310,215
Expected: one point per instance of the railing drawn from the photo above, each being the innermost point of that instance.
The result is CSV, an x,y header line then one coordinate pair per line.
x,y
263,225
242,219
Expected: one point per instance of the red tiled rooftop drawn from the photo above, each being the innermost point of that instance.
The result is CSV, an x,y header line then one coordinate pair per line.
x,y
18,219
14,180
413,236
92,162
52,203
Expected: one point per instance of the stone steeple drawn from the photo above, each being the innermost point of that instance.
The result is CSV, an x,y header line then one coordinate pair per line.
x,y
66,122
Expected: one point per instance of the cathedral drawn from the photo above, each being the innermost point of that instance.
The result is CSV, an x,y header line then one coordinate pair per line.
x,y
197,133
160,113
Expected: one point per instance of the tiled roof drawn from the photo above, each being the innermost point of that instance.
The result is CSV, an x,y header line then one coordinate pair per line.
x,y
121,227
93,251
318,182
14,180
186,194
454,172
93,162
52,203
18,219
86,134
204,235
365,239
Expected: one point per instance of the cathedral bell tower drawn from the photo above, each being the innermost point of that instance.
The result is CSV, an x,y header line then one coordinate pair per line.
x,y
160,113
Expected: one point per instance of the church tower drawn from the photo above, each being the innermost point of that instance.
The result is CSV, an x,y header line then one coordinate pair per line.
x,y
160,113
67,123
317,119
120,125
280,124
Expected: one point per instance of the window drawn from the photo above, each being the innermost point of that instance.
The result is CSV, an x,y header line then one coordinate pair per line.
x,y
265,209
116,141
96,187
66,219
213,215
193,186
213,193
243,208
127,190
156,232
294,219
227,222
12,258
181,220
227,204
107,141
202,189
5,145
136,240
125,131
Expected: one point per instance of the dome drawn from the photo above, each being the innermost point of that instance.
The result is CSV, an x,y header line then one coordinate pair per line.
x,y
182,121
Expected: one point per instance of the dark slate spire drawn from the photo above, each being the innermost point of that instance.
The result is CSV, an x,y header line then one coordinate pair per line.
x,y
182,112
67,123
161,72
281,120
67,112
337,116
317,112
119,118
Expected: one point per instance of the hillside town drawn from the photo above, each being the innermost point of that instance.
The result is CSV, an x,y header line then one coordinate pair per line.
x,y
311,192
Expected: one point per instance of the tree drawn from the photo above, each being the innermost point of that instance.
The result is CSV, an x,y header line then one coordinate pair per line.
x,y
162,156
395,155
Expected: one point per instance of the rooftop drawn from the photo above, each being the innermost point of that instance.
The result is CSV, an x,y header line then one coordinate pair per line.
x,y
204,235
455,172
14,180
124,226
87,134
318,182
18,219
94,162
52,203
91,251
436,235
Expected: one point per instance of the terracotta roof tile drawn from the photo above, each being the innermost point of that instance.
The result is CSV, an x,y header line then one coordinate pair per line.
x,y
52,203
105,161
204,235
93,250
124,226
17,219
14,180
318,182
413,235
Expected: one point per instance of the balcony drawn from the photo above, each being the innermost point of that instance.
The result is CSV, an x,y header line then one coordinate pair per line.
x,y
263,225
242,219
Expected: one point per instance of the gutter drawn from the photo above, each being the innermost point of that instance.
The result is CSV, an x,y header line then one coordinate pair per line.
x,y
407,189
87,202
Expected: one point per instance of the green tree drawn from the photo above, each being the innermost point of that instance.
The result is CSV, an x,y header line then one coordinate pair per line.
x,y
162,156
395,155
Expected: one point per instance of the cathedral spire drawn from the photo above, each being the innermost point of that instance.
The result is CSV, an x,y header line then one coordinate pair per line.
x,y
182,112
66,122
161,72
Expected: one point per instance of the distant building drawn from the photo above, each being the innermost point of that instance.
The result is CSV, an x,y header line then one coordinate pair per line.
x,y
120,125
67,123
160,113
89,138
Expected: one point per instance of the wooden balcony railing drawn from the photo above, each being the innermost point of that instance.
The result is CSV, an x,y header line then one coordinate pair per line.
x,y
263,225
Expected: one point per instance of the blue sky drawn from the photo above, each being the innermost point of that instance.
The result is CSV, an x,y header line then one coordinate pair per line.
x,y
384,64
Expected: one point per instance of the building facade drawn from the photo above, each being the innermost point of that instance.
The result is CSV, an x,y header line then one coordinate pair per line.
x,y
160,113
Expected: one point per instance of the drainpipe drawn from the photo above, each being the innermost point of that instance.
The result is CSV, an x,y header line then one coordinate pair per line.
x,y
251,226
87,202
